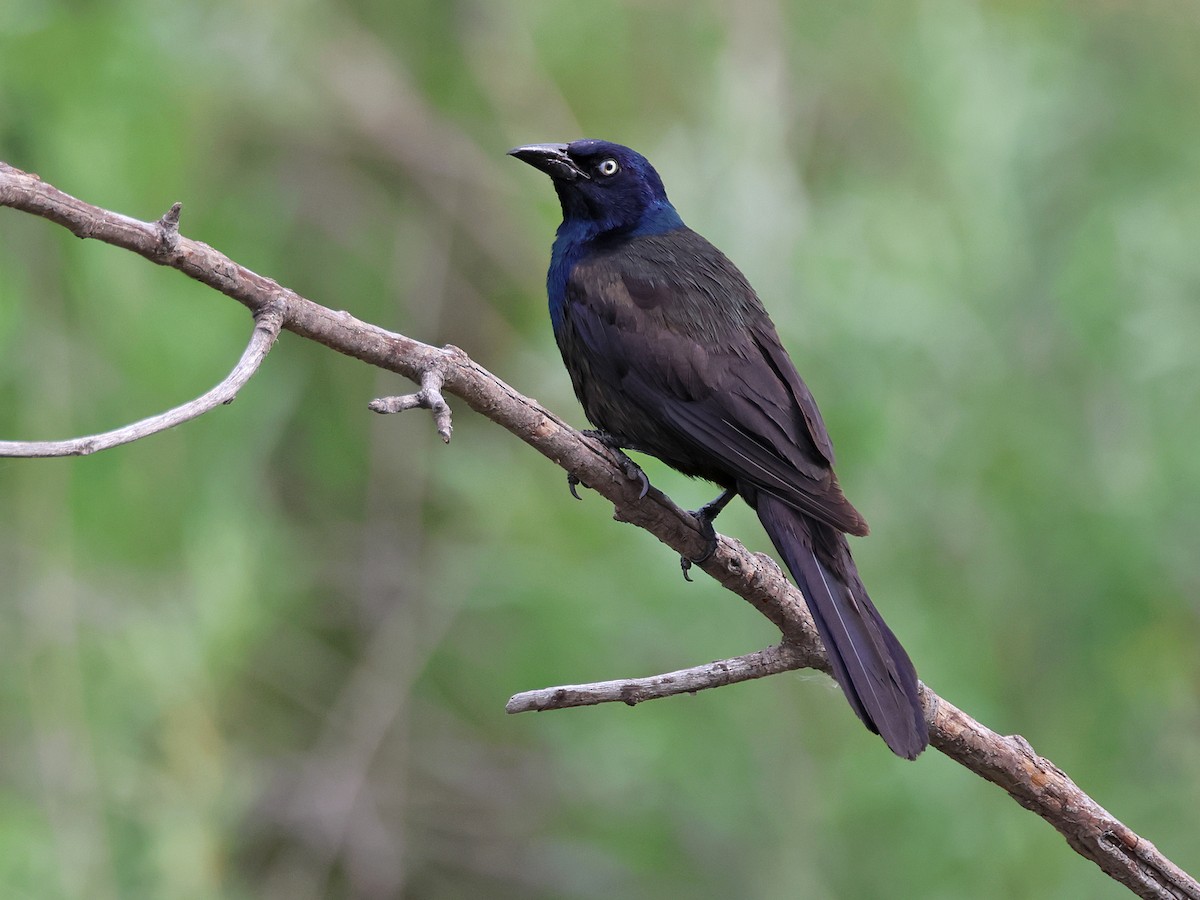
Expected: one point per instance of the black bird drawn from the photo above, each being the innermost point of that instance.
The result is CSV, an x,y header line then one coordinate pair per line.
x,y
671,353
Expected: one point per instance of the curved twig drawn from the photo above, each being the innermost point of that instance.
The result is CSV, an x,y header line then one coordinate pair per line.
x,y
267,326
1009,762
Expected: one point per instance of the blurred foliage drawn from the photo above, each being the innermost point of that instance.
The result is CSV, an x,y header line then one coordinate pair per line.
x,y
266,655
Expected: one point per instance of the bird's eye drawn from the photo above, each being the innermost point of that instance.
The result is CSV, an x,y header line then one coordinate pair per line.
x,y
608,167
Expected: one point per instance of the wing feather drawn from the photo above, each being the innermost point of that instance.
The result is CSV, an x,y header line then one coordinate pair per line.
x,y
693,366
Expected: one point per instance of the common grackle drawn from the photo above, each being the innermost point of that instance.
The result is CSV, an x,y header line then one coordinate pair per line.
x,y
671,353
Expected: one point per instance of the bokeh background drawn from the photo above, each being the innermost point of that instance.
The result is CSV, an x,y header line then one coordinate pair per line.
x,y
266,654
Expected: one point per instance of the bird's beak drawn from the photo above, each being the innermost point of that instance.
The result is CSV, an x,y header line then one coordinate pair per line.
x,y
552,159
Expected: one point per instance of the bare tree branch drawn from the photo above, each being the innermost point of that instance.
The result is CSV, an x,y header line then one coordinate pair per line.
x,y
1009,762
632,691
266,329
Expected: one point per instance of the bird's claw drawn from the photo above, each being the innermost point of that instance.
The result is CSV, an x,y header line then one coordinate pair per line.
x,y
573,481
631,470
704,516
634,473
710,533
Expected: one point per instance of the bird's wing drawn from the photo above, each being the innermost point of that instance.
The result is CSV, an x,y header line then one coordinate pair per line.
x,y
685,340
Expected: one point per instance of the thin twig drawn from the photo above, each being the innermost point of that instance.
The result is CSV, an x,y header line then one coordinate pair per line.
x,y
266,329
1009,762
428,397
632,691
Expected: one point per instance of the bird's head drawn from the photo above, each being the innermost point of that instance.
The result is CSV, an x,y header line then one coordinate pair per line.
x,y
603,186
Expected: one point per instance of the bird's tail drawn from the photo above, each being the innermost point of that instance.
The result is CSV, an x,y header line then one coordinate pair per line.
x,y
868,662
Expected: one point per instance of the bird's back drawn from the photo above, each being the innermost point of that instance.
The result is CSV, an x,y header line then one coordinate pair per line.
x,y
671,351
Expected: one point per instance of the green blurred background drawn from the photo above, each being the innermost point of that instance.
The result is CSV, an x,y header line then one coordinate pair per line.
x,y
267,654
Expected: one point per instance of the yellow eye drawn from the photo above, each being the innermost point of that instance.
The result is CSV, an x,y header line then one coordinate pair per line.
x,y
608,167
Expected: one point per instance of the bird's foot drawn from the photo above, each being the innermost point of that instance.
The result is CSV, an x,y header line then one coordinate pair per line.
x,y
704,517
631,469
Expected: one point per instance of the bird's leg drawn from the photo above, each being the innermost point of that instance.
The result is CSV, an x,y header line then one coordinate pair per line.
x,y
706,515
631,469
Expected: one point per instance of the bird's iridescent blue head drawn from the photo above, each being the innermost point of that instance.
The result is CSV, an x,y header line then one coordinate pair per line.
x,y
604,187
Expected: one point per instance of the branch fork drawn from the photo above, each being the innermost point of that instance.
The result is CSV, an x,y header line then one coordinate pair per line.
x,y
428,397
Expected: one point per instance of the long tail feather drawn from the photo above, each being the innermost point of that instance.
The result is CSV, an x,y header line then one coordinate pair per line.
x,y
868,662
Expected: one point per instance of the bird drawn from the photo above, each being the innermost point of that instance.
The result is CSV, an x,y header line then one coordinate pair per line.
x,y
671,353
